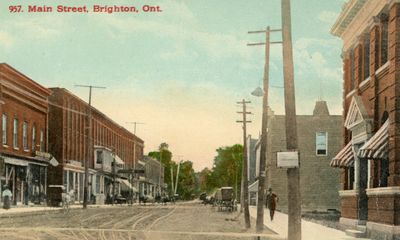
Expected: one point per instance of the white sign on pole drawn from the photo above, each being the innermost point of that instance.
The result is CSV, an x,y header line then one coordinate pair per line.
x,y
287,159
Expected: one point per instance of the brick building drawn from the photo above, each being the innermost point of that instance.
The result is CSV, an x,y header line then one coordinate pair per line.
x,y
319,139
23,151
370,158
68,143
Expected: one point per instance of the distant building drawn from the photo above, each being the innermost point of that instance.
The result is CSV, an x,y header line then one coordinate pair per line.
x,y
68,142
319,139
152,183
370,157
23,149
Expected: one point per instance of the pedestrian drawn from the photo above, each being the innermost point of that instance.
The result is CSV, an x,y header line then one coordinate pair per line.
x,y
6,194
271,202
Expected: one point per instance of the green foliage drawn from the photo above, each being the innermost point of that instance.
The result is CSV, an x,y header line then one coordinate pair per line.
x,y
227,170
186,182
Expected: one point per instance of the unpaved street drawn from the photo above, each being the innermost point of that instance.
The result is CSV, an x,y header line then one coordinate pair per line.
x,y
180,221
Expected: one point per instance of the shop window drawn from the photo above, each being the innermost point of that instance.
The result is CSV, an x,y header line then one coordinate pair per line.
x,y
33,138
98,184
321,143
350,178
4,129
15,133
366,57
25,135
384,172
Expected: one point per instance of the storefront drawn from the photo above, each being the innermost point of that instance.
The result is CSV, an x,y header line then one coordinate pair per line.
x,y
25,177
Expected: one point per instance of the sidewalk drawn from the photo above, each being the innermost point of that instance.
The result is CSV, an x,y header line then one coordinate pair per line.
x,y
33,209
309,230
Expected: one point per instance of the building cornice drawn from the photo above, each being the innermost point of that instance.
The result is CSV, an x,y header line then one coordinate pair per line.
x,y
349,11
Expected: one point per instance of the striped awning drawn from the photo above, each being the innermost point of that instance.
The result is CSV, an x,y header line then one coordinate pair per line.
x,y
377,146
345,158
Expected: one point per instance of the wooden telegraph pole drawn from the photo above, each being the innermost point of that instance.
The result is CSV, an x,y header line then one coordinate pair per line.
x,y
89,145
294,200
245,189
264,126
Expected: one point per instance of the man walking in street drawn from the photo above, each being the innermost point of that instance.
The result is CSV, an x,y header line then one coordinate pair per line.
x,y
270,203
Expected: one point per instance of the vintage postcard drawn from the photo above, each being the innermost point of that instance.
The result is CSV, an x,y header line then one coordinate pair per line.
x,y
199,119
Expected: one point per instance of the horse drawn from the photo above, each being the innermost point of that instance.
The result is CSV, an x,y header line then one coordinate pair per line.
x,y
68,199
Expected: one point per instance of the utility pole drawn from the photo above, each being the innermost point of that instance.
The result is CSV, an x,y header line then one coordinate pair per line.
x,y
177,177
114,173
89,144
172,180
134,125
264,126
134,143
294,200
244,170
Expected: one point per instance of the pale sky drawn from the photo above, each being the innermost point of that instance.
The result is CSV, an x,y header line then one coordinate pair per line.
x,y
180,71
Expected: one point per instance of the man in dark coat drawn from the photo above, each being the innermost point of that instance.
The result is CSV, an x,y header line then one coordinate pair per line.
x,y
271,201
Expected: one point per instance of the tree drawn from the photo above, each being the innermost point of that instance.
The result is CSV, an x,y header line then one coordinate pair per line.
x,y
186,183
225,172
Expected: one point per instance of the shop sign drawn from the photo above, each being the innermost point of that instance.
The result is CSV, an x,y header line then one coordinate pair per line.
x,y
287,159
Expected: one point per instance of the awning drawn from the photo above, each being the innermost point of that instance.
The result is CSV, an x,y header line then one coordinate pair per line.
x,y
345,158
127,184
16,161
377,146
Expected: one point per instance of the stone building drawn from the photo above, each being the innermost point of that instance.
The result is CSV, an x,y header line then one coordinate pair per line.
x,y
370,158
319,139
23,149
68,142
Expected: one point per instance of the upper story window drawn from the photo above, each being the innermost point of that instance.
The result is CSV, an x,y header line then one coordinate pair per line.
x,y
25,136
384,38
352,70
321,143
99,157
42,140
366,57
15,133
4,128
33,138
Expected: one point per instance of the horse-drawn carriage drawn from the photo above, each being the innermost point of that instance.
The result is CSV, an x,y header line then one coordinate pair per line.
x,y
224,199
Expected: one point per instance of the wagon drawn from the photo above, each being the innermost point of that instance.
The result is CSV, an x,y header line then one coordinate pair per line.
x,y
224,199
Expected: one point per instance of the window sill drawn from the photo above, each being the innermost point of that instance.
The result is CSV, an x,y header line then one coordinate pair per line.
x,y
364,84
382,68
5,146
16,148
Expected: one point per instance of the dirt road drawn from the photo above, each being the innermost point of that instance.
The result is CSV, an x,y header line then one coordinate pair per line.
x,y
180,221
